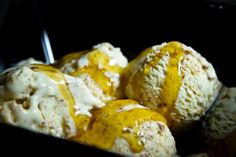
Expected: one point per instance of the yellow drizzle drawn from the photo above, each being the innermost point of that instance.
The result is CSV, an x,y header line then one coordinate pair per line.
x,y
81,121
96,68
110,122
128,71
173,79
68,58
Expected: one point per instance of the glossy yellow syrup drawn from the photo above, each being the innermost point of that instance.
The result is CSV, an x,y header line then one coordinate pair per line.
x,y
111,122
173,79
81,121
98,65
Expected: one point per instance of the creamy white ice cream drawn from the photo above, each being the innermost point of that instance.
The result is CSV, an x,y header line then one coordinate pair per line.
x,y
41,98
174,80
127,128
101,69
28,62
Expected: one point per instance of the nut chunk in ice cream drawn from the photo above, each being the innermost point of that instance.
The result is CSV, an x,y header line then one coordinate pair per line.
x,y
100,68
127,128
174,80
41,98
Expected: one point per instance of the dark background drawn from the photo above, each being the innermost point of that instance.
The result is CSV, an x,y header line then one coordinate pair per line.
x,y
207,26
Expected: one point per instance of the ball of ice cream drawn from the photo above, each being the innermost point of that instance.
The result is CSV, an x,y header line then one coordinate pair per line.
x,y
100,68
221,121
220,124
41,98
174,80
127,128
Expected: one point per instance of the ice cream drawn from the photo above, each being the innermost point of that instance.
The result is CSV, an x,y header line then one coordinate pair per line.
x,y
41,98
127,128
21,63
100,68
28,61
174,80
220,123
222,119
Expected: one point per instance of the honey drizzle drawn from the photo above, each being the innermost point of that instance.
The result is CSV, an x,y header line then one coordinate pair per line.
x,y
109,123
173,79
81,121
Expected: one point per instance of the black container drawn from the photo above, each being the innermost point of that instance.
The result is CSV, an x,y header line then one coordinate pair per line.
x,y
208,27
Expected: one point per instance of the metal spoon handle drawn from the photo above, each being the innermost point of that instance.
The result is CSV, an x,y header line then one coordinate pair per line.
x,y
47,49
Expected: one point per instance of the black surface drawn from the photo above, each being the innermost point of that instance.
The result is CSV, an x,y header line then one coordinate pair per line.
x,y
17,141
209,28
3,10
72,26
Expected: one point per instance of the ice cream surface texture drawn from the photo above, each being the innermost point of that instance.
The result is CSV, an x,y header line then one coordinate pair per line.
x,y
100,68
222,119
174,80
41,98
127,128
219,126
28,61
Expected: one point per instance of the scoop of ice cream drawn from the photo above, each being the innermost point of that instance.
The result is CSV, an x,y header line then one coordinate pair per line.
x,y
127,128
220,124
100,68
174,80
221,121
41,98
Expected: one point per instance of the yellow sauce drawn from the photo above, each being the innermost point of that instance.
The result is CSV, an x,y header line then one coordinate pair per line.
x,y
111,122
68,58
173,79
98,64
81,121
132,65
